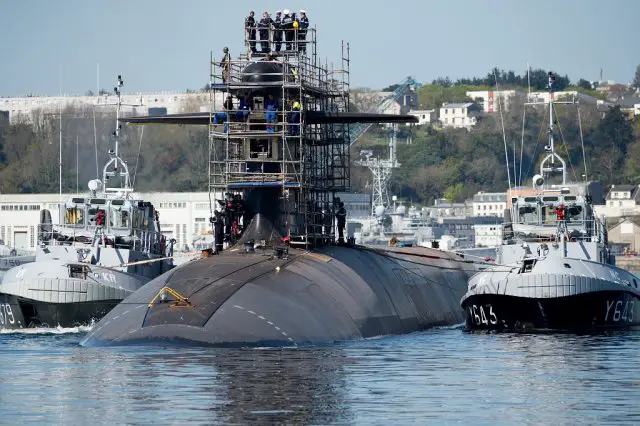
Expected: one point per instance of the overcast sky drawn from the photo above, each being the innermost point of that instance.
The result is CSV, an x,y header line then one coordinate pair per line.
x,y
164,44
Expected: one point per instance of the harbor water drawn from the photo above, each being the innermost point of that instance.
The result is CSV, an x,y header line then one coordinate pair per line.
x,y
440,376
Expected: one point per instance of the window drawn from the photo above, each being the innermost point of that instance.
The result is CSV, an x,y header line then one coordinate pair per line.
x,y
74,216
120,217
528,214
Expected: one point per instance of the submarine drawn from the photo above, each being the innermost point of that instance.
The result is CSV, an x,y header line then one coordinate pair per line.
x,y
282,273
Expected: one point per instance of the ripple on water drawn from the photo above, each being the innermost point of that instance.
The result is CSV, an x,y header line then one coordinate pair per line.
x,y
438,376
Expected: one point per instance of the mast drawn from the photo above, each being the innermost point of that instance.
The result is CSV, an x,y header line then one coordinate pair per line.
x,y
116,167
548,165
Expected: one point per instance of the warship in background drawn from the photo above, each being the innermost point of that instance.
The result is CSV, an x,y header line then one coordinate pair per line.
x,y
12,257
107,246
287,280
555,270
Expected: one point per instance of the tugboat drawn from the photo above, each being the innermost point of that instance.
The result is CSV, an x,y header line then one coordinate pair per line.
x,y
554,269
107,246
287,278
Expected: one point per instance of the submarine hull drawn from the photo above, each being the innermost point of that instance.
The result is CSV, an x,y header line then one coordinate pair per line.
x,y
304,297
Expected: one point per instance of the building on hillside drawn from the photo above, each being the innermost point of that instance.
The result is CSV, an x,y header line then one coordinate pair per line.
x,y
621,200
488,235
459,115
630,105
425,116
489,204
27,107
444,208
545,95
492,100
625,231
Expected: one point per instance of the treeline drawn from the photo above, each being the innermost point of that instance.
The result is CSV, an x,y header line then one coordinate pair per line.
x,y
160,158
456,163
452,163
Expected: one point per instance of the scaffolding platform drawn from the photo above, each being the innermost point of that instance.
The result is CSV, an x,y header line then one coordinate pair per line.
x,y
285,137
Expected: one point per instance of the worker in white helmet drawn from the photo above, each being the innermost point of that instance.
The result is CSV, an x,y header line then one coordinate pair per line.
x,y
287,28
303,24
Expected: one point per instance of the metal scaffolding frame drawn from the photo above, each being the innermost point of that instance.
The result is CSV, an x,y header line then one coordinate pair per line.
x,y
308,162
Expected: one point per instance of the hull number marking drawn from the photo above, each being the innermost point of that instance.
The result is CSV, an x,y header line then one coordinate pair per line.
x,y
619,311
478,315
6,314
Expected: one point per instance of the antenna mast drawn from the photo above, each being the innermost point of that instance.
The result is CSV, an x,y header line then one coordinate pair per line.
x,y
115,164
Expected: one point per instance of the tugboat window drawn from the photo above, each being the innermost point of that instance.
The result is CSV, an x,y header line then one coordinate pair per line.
x,y
528,214
574,214
74,216
78,271
120,218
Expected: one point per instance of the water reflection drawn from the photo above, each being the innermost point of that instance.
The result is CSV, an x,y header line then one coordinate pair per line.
x,y
432,377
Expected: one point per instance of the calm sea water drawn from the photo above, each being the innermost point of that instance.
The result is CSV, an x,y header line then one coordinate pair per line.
x,y
436,377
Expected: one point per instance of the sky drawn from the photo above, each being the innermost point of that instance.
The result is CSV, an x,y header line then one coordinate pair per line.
x,y
50,47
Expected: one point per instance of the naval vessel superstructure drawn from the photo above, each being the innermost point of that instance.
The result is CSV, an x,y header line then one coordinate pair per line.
x,y
555,270
285,279
108,244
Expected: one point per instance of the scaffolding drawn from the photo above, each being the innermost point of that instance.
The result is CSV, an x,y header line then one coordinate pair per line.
x,y
254,144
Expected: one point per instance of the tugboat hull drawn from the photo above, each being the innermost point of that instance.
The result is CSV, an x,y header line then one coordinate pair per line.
x,y
582,312
11,317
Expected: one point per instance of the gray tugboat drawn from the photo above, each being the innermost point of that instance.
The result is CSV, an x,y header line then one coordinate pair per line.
x,y
107,246
286,278
555,270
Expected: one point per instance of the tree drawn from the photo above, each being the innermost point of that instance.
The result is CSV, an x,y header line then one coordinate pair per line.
x,y
584,84
636,78
455,193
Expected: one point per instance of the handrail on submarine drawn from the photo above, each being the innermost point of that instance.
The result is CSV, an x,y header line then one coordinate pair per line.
x,y
172,292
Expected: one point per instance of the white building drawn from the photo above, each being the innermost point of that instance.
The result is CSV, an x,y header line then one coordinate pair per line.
x,y
544,96
492,100
489,204
622,200
459,115
23,108
425,116
488,235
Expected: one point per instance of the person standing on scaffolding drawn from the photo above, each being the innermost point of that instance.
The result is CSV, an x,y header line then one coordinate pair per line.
x,y
271,114
341,217
264,26
277,31
294,117
287,27
303,24
218,230
250,30
225,64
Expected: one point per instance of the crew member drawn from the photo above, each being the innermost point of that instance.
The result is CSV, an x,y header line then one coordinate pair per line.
x,y
264,26
270,114
246,105
341,216
277,31
250,30
218,230
225,64
287,26
100,218
303,24
294,117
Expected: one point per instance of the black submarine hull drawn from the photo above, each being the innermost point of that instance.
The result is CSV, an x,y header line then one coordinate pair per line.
x,y
594,311
322,296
